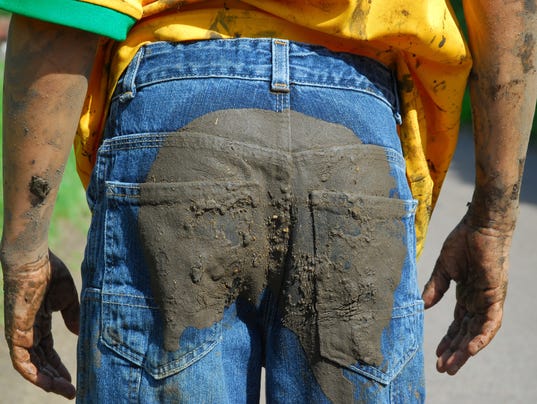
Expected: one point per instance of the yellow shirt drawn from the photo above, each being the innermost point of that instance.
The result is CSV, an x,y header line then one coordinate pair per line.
x,y
419,40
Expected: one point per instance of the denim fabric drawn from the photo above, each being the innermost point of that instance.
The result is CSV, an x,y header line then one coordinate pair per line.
x,y
287,108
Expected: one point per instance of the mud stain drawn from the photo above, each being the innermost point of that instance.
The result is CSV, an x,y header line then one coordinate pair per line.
x,y
526,53
39,189
406,84
358,20
242,200
530,6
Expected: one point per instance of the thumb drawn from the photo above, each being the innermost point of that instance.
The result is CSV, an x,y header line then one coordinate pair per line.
x,y
71,316
436,286
62,294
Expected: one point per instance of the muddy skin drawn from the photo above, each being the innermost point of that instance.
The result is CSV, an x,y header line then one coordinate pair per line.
x,y
35,291
526,53
26,288
496,198
242,200
500,91
530,6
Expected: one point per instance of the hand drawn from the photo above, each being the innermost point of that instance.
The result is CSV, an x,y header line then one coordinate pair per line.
x,y
31,294
477,260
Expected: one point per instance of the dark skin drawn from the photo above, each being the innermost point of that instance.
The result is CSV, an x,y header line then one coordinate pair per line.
x,y
46,80
476,253
46,74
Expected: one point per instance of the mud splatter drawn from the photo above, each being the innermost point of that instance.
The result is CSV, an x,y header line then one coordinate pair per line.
x,y
39,189
222,24
526,53
355,277
193,239
530,6
359,16
439,86
501,91
406,84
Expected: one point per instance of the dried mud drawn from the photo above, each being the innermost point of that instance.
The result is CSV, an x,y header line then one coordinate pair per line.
x,y
39,188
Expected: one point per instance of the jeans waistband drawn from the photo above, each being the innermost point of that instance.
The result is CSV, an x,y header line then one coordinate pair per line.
x,y
280,62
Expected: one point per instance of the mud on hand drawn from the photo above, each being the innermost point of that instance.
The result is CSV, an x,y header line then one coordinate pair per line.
x,y
31,293
477,260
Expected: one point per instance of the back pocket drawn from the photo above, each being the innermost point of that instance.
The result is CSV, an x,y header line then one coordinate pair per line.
x,y
362,245
134,316
203,245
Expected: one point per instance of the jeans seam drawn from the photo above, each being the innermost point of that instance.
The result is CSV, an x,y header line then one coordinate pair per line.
x,y
195,76
263,79
347,88
391,155
136,378
137,306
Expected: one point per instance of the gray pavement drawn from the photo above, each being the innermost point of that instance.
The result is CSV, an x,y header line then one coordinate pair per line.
x,y
504,372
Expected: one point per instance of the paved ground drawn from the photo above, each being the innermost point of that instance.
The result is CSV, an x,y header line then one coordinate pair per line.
x,y
504,373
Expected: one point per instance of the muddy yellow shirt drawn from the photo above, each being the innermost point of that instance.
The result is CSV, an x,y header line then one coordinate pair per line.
x,y
419,40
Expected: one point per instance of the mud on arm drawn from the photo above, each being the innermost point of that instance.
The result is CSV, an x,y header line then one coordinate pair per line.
x,y
45,84
475,255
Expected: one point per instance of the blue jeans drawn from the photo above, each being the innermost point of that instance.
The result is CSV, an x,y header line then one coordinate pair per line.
x,y
251,209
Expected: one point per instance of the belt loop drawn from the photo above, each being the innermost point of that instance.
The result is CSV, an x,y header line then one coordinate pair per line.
x,y
280,66
129,79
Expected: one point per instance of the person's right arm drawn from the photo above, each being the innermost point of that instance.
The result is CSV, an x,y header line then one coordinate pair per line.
x,y
46,74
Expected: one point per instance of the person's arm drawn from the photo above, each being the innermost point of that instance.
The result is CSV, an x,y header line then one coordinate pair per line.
x,y
475,255
46,72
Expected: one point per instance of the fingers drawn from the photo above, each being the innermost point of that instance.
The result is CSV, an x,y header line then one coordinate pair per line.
x,y
437,285
62,295
71,317
450,362
477,261
34,368
51,357
41,365
466,336
448,266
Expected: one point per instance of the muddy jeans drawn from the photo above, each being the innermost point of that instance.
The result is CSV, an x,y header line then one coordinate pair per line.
x,y
250,209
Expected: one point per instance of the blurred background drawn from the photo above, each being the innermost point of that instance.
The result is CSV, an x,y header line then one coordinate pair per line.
x,y
502,373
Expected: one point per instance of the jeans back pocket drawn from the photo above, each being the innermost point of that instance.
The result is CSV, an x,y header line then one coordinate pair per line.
x,y
362,247
204,245
135,319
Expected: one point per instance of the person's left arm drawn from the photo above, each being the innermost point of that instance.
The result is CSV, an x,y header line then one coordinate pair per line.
x,y
503,87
